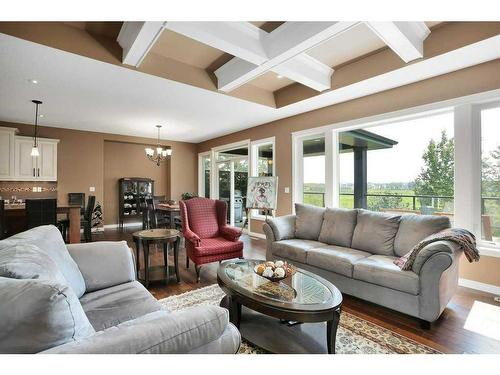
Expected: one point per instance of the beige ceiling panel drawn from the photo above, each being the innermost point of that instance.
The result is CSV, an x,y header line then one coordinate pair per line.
x,y
270,81
186,50
349,45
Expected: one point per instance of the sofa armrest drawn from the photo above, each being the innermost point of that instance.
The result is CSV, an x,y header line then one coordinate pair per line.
x,y
283,227
172,333
438,283
103,264
428,251
230,233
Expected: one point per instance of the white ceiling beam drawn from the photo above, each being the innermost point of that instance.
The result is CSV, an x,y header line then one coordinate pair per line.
x,y
307,71
283,46
136,39
240,39
406,39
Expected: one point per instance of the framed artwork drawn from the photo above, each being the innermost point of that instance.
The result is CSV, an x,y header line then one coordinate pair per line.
x,y
262,193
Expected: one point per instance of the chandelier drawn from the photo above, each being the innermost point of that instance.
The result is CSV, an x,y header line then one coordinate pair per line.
x,y
160,154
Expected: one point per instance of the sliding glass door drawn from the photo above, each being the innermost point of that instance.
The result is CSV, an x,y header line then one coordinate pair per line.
x,y
231,182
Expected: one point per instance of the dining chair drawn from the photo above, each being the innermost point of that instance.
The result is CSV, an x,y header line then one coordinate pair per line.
x,y
41,212
79,199
156,219
86,223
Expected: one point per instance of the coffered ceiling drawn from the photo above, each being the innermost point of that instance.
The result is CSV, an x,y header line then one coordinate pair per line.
x,y
247,72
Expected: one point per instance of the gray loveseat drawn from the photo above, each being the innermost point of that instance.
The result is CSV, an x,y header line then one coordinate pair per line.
x,y
83,298
355,250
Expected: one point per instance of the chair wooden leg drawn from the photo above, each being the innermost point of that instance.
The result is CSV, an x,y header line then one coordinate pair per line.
x,y
187,261
198,269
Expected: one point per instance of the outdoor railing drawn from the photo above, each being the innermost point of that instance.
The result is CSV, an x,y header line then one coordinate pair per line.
x,y
435,201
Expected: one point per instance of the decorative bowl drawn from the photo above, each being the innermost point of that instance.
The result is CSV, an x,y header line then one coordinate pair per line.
x,y
273,271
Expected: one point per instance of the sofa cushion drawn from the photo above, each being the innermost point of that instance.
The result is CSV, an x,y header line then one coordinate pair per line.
x,y
335,258
295,249
49,240
338,226
26,261
111,306
38,314
375,232
380,270
414,228
308,221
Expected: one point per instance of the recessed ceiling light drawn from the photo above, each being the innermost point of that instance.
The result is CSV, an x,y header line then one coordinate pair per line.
x,y
279,76
40,115
33,81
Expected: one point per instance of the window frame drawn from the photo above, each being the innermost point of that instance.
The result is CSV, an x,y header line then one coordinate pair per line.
x,y
201,174
254,154
467,135
489,248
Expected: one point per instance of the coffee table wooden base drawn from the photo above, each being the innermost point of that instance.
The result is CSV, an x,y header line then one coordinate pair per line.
x,y
275,336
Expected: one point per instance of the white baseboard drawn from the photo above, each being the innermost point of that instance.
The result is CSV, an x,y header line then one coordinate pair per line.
x,y
489,288
257,235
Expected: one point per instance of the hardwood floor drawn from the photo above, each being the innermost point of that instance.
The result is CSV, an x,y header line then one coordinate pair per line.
x,y
447,335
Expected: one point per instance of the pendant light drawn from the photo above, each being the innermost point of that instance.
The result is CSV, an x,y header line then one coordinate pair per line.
x,y
160,154
34,150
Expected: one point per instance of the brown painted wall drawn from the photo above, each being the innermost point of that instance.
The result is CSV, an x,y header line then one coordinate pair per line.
x,y
468,81
81,162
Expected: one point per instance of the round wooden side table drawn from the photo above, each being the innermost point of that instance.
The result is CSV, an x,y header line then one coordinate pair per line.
x,y
143,239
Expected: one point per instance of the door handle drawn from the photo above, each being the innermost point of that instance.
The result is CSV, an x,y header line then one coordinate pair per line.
x,y
34,172
38,170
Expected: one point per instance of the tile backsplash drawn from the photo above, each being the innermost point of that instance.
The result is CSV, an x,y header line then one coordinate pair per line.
x,y
28,189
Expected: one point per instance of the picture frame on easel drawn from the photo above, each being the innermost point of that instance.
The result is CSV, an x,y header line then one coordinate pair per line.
x,y
262,195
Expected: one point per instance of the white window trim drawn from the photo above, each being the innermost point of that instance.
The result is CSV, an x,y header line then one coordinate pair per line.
x,y
298,165
201,174
254,145
486,248
467,155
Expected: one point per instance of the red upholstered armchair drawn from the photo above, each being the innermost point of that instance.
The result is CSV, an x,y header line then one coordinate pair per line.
x,y
208,237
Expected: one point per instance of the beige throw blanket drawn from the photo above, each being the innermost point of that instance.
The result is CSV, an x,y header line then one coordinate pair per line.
x,y
463,238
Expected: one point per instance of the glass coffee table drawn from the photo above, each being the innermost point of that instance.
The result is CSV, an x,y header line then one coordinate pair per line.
x,y
299,314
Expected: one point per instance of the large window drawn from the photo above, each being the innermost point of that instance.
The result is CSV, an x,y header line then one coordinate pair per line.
x,y
490,172
313,171
394,168
443,160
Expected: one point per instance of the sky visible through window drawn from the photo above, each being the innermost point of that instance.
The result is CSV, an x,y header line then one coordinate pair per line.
x,y
401,163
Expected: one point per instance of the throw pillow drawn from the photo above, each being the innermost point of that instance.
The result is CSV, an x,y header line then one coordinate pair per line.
x,y
375,232
338,226
308,222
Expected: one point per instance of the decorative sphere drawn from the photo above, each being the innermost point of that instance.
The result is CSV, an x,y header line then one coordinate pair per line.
x,y
279,272
279,263
268,272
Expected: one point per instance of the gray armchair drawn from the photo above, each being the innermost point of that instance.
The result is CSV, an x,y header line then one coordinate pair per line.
x,y
84,299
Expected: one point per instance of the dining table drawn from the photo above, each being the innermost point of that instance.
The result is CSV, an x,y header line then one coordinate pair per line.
x,y
170,210
15,215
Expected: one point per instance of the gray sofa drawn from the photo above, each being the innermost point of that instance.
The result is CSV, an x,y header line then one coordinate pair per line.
x,y
355,250
83,298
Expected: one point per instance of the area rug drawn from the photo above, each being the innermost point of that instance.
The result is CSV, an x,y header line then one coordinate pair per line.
x,y
354,336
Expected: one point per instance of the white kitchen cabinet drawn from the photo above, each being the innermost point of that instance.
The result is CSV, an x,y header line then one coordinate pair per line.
x,y
40,168
25,164
47,161
7,164
16,162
